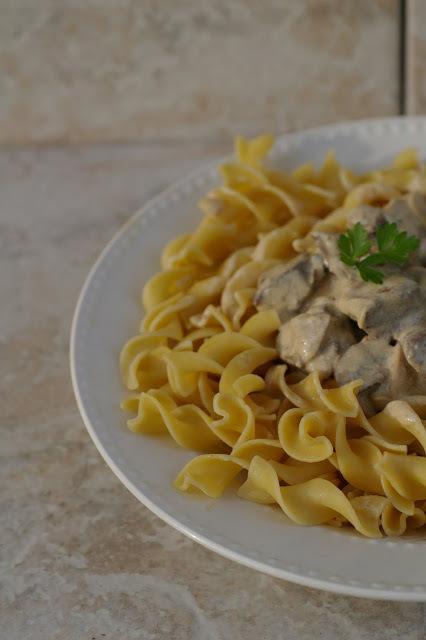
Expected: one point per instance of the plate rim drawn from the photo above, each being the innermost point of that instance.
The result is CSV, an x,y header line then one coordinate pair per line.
x,y
370,591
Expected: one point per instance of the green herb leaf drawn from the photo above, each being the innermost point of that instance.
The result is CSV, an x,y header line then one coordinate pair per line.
x,y
394,247
385,235
373,259
366,271
355,243
370,275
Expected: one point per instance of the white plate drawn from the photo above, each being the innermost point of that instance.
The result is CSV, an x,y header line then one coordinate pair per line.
x,y
108,313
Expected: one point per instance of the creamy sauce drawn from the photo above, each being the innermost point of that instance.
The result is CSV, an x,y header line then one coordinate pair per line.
x,y
335,323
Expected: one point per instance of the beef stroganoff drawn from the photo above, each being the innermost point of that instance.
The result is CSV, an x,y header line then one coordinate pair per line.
x,y
284,341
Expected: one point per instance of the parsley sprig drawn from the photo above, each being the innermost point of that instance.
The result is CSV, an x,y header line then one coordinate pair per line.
x,y
392,246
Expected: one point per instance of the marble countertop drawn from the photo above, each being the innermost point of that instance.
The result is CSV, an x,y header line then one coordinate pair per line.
x,y
133,69
81,558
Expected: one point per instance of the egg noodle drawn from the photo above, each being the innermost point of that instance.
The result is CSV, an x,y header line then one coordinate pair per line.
x,y
204,367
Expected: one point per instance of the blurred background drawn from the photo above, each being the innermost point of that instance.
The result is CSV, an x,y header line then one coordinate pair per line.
x,y
80,71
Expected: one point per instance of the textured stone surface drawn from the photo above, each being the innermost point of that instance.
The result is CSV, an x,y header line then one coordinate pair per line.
x,y
80,558
416,57
99,70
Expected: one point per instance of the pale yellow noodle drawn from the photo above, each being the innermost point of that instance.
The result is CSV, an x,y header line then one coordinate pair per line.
x,y
204,369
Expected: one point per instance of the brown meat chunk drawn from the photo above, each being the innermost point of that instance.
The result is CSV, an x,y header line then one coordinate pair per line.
x,y
327,248
314,341
287,286
334,322
408,213
366,360
381,310
384,369
413,343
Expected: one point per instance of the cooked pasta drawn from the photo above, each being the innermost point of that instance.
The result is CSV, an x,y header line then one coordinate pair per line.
x,y
205,369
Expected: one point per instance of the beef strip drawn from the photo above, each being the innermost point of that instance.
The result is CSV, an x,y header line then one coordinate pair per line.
x,y
367,360
382,310
384,369
408,214
326,246
401,379
286,287
315,340
318,297
413,343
